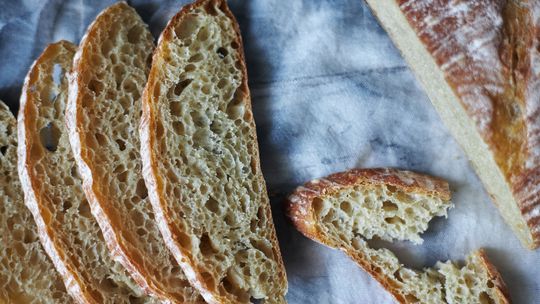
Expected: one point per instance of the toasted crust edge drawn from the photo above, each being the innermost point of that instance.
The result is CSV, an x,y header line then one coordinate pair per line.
x,y
32,201
154,182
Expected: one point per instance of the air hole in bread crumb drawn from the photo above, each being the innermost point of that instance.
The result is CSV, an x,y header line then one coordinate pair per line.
x,y
263,246
389,206
141,190
179,87
108,285
66,205
484,298
187,27
196,58
222,52
101,139
212,205
396,220
206,246
121,144
490,284
57,74
84,210
49,136
222,83
346,207
203,34
391,189
134,34
256,301
3,150
208,279
122,177
95,86
190,68
178,128
411,298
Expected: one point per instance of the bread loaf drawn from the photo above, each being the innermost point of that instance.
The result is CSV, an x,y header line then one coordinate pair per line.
x,y
478,62
104,108
20,246
347,210
201,160
53,191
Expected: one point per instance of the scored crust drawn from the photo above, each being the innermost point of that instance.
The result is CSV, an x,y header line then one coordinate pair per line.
x,y
134,241
53,191
478,64
301,211
155,182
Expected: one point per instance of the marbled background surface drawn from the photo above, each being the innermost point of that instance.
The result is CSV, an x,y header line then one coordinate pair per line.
x,y
330,92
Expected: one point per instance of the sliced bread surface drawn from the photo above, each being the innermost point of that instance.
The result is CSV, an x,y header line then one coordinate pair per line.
x,y
478,62
346,210
104,108
201,160
53,190
27,275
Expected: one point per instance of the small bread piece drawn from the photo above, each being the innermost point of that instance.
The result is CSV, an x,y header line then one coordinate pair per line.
x,y
53,192
479,64
201,160
345,209
103,113
27,275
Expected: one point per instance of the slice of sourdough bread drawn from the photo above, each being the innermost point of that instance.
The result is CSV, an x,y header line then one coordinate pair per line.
x,y
26,273
201,160
478,62
104,108
53,191
344,210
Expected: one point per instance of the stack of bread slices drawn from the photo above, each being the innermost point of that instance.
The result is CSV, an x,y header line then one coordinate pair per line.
x,y
140,170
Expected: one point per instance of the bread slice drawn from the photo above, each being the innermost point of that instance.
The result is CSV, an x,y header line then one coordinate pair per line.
x,y
20,246
345,210
53,191
201,160
104,109
478,62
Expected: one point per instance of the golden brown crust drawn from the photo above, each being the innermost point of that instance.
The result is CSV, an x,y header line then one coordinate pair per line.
x,y
487,52
150,125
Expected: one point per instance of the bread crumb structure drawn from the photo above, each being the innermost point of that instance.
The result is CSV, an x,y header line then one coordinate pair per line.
x,y
201,160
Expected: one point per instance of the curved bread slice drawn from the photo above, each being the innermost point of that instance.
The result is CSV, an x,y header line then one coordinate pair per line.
x,y
26,273
479,63
108,76
346,209
53,190
201,161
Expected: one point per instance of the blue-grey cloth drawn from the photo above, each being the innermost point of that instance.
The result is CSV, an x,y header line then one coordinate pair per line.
x,y
330,92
